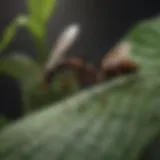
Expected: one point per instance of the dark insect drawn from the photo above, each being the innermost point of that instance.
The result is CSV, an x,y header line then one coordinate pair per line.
x,y
85,73
114,63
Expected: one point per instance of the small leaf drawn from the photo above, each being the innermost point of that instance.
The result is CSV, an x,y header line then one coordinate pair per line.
x,y
20,66
25,70
37,20
40,10
10,32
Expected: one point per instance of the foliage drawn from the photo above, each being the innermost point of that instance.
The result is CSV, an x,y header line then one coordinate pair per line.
x,y
10,32
35,22
24,69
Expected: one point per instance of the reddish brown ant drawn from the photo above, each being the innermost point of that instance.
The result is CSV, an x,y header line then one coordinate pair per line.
x,y
114,63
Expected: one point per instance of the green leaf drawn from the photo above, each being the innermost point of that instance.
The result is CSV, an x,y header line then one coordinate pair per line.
x,y
113,121
10,32
40,10
37,23
20,67
25,70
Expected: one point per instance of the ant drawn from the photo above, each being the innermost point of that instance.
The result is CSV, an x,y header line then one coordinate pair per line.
x,y
116,62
